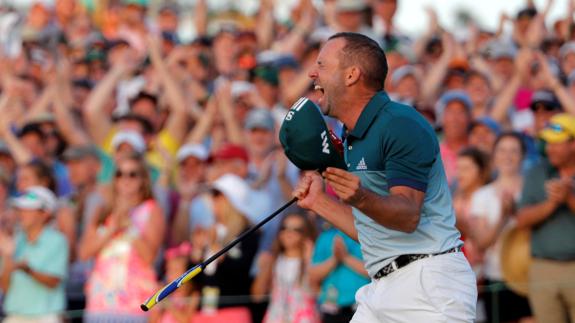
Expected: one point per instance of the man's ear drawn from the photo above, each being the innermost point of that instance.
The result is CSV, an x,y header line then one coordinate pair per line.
x,y
352,75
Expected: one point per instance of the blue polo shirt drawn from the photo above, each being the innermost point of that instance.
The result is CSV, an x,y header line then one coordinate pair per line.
x,y
393,145
47,255
343,279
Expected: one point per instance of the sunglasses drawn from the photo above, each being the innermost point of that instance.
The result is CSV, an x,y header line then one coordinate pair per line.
x,y
293,229
129,174
543,107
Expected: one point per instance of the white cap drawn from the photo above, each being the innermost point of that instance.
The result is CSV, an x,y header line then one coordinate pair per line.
x,y
239,194
132,138
192,150
566,49
36,198
350,5
239,88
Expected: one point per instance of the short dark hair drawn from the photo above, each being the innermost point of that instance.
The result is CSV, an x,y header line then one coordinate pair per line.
x,y
31,129
366,53
43,172
146,97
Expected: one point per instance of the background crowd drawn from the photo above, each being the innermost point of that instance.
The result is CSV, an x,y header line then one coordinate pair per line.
x,y
128,154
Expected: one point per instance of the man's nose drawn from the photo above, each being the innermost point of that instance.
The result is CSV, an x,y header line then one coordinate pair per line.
x,y
312,74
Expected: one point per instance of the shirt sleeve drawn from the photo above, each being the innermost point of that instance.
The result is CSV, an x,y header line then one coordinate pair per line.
x,y
54,260
477,206
409,151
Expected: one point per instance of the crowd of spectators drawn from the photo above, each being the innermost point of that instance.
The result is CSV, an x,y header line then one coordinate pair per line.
x,y
128,154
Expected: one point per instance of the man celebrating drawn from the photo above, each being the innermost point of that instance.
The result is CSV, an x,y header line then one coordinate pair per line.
x,y
394,198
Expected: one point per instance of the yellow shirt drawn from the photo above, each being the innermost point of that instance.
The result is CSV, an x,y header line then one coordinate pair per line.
x,y
153,156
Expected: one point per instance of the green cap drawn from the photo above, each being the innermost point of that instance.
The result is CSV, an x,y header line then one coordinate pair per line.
x,y
306,140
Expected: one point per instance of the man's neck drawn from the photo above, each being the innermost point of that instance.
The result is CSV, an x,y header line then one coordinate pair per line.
x,y
32,234
353,109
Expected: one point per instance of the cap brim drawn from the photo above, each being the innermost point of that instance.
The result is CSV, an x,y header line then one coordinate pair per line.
x,y
552,136
22,204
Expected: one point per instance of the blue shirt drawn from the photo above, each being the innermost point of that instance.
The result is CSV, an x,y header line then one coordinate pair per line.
x,y
47,255
342,279
393,145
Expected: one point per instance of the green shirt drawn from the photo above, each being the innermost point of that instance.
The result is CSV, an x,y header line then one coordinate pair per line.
x,y
47,255
393,145
554,238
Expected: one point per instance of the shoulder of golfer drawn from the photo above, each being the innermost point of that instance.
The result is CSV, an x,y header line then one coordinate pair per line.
x,y
389,156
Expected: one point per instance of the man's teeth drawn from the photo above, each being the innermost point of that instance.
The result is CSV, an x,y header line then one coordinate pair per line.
x,y
317,87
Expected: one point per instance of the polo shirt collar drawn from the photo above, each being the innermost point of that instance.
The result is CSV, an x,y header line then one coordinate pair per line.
x,y
369,113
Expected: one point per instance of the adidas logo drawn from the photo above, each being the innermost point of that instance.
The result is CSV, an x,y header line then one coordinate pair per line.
x,y
361,165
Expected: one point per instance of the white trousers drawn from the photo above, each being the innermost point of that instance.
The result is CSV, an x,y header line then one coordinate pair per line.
x,y
441,288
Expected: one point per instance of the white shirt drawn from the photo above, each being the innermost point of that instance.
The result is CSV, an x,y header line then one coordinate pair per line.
x,y
486,203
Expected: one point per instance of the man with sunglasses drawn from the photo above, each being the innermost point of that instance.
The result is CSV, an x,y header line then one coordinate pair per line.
x,y
547,207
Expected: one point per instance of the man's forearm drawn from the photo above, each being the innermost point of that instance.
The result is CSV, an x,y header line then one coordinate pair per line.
x,y
338,214
318,272
393,211
532,215
46,280
356,265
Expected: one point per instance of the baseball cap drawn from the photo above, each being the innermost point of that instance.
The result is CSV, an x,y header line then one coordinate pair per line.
x,y
561,128
350,5
489,123
230,151
403,71
567,48
306,140
143,3
239,194
239,88
545,98
80,152
192,150
450,96
36,198
132,138
261,119
267,73
498,49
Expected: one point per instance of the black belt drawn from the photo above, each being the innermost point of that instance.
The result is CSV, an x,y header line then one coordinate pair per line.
x,y
405,260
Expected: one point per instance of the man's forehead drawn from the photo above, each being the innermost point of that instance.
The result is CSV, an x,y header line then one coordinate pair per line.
x,y
330,49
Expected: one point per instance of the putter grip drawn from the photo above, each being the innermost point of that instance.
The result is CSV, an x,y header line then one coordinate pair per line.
x,y
169,288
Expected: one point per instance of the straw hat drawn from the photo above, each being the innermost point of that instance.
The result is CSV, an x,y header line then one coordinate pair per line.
x,y
515,259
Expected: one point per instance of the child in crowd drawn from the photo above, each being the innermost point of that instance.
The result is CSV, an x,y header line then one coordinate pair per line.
x,y
284,274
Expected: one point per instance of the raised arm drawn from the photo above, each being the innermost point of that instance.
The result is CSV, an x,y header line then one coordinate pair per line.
x,y
177,121
19,152
505,98
70,130
555,85
437,72
265,24
96,118
234,133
